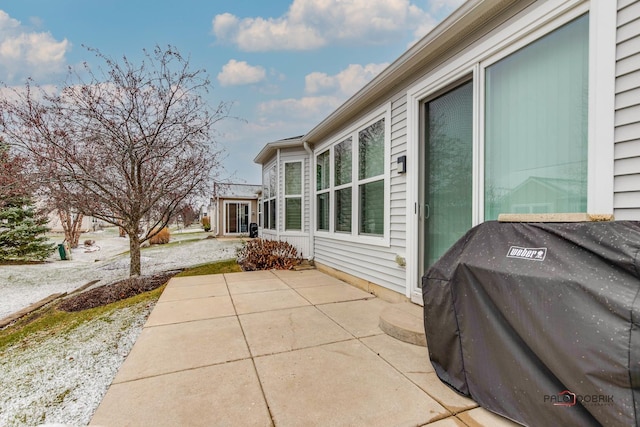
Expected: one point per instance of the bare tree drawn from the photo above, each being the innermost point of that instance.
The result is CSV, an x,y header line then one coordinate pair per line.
x,y
13,180
129,144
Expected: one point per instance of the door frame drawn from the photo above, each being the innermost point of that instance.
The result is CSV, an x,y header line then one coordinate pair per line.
x,y
416,99
422,170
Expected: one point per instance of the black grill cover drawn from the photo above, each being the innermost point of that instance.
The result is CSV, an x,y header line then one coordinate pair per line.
x,y
540,322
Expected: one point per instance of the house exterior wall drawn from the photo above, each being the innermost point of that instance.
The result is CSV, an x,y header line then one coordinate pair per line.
x,y
627,112
377,263
613,141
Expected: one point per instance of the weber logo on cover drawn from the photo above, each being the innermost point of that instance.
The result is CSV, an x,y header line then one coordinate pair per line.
x,y
533,254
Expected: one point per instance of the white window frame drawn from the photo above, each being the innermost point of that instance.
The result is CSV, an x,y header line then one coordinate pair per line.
x,y
354,236
294,196
520,31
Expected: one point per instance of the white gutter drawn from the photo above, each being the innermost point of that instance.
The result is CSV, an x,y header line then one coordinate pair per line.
x,y
312,199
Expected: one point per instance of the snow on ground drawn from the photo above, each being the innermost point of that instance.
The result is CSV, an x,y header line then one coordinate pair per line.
x,y
62,379
22,285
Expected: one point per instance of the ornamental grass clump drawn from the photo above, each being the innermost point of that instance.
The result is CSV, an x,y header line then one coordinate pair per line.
x,y
262,254
161,238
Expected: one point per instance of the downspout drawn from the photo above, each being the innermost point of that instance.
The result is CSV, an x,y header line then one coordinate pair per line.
x,y
278,194
312,199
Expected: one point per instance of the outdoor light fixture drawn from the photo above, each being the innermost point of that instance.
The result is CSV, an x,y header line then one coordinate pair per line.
x,y
402,164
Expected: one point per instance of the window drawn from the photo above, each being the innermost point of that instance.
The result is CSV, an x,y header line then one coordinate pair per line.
x,y
293,196
269,199
371,179
343,164
350,199
536,125
322,187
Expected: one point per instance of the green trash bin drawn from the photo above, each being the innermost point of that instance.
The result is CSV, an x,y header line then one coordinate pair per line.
x,y
62,251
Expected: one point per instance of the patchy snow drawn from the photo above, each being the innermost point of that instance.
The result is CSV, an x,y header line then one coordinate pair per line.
x,y
62,379
22,285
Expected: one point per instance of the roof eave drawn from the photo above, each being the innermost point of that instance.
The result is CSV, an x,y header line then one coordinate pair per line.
x,y
269,149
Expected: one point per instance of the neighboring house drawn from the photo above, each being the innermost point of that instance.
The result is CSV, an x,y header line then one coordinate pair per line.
x,y
506,106
89,223
233,208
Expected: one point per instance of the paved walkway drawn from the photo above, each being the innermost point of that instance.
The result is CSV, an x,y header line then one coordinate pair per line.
x,y
283,348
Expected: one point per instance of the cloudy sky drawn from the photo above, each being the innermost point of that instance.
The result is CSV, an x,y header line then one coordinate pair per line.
x,y
285,64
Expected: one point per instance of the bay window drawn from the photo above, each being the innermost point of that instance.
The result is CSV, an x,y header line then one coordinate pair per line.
x,y
293,196
269,194
350,199
342,181
322,190
371,179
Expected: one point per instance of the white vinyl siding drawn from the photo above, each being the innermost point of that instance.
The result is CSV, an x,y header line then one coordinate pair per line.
x,y
627,113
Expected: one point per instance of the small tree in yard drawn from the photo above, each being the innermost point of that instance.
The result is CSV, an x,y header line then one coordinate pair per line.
x,y
130,144
22,232
22,228
53,196
13,181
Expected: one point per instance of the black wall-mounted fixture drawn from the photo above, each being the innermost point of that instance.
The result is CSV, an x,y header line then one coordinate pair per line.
x,y
402,164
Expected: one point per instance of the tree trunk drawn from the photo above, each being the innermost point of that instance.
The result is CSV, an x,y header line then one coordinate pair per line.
x,y
134,252
71,224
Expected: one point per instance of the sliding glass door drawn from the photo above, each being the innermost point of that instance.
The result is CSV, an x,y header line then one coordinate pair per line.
x,y
446,212
237,218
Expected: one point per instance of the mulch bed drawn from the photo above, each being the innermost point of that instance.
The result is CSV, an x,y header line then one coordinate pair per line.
x,y
115,291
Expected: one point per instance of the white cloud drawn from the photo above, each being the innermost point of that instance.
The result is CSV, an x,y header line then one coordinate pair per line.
x,y
25,53
346,82
326,93
307,108
235,73
310,24
437,11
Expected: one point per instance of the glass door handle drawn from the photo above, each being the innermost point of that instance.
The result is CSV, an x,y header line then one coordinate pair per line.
x,y
427,211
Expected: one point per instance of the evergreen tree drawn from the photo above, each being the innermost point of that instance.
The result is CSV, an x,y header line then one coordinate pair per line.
x,y
22,232
22,228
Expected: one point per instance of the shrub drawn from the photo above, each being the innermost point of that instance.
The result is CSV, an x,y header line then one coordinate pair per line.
x,y
161,238
206,223
259,254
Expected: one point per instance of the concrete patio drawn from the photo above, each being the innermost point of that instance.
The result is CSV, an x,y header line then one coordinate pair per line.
x,y
283,348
